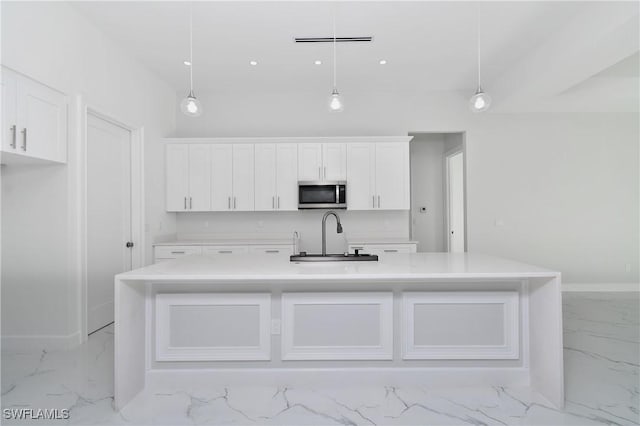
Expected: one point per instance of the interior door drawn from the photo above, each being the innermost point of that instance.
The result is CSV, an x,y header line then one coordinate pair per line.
x,y
310,161
392,176
455,197
287,176
221,177
265,177
334,158
199,178
243,176
360,176
108,215
177,185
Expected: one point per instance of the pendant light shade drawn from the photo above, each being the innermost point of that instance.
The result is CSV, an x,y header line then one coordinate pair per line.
x,y
190,105
336,103
480,101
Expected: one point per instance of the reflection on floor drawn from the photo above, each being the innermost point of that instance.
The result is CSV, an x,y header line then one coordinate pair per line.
x,y
601,332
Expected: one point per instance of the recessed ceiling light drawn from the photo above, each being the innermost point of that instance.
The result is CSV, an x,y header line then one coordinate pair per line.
x,y
254,63
187,63
317,62
383,62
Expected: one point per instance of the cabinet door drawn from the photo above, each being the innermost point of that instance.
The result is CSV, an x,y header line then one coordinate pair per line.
x,y
9,112
199,177
243,189
265,177
221,177
214,250
360,176
42,121
310,161
177,175
334,158
287,176
392,176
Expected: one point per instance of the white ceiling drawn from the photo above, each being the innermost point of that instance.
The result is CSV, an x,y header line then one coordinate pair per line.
x,y
428,45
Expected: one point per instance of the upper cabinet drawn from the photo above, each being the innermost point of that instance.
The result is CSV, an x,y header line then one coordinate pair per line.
x,y
34,119
378,176
276,176
188,177
322,161
232,168
213,175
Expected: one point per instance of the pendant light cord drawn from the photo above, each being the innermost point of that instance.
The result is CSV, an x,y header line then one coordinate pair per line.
x,y
335,80
478,39
191,47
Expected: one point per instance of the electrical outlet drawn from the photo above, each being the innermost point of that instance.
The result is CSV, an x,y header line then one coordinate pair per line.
x,y
276,325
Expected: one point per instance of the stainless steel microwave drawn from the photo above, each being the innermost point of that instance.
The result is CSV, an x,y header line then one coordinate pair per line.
x,y
322,195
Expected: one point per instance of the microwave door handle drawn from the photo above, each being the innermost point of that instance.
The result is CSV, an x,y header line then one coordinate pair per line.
x,y
337,194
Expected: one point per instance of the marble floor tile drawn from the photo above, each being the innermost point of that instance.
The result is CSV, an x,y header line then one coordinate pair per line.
x,y
602,357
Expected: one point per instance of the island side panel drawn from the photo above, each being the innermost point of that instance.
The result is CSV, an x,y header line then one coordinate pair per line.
x,y
545,322
130,341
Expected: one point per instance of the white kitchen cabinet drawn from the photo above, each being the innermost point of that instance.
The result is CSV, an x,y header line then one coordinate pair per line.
x,y
322,161
272,249
382,249
162,253
228,249
232,186
276,177
378,176
34,119
188,177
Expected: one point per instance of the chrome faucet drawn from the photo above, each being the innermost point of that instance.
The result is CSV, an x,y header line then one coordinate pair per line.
x,y
324,229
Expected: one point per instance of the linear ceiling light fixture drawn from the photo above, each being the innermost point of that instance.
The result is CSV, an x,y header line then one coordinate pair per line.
x,y
480,101
190,105
335,101
332,39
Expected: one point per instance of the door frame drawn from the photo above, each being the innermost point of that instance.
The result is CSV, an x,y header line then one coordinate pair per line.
x,y
137,199
447,201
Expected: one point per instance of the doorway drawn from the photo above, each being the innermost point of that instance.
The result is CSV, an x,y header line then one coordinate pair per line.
x,y
435,171
108,215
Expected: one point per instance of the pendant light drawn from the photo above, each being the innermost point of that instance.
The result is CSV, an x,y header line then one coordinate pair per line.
x,y
480,101
335,100
190,105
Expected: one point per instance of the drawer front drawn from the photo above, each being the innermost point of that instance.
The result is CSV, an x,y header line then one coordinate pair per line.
x,y
173,252
384,248
273,249
209,250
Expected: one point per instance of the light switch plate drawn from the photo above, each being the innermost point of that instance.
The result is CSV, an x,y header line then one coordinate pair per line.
x,y
276,325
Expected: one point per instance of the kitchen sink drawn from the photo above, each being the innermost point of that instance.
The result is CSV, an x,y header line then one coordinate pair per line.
x,y
304,257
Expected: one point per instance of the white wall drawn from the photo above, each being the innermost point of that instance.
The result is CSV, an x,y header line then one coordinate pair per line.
x,y
356,225
52,43
427,190
564,186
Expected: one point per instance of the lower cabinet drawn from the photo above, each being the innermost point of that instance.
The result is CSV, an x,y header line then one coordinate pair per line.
x,y
196,326
209,250
166,252
383,249
337,326
460,325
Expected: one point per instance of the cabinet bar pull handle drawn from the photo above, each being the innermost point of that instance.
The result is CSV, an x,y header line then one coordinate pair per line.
x,y
273,202
234,203
390,250
320,173
185,203
272,251
325,172
373,199
378,201
278,202
190,203
229,202
24,139
13,136
225,251
177,252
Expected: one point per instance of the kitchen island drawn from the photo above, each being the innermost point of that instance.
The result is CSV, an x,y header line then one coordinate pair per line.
x,y
432,319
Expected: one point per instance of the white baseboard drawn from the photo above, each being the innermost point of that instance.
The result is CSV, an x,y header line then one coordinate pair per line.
x,y
339,377
39,343
613,287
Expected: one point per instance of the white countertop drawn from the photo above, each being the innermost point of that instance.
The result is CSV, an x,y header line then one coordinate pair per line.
x,y
226,242
400,267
